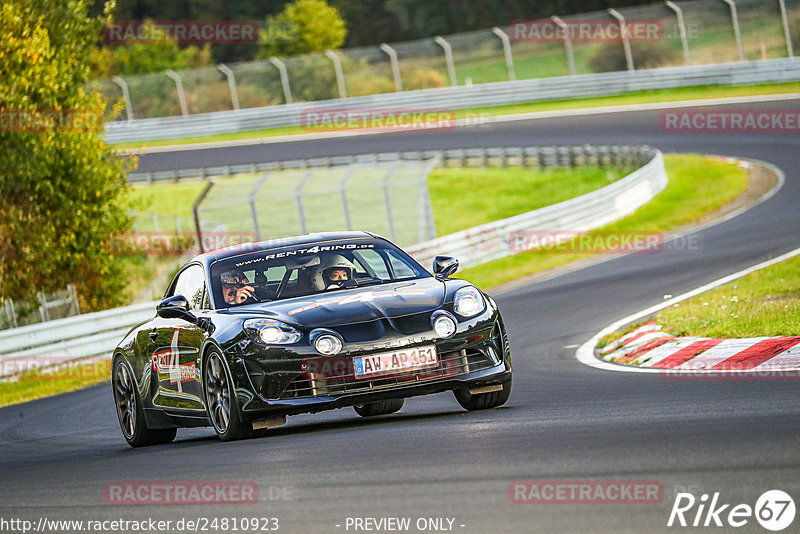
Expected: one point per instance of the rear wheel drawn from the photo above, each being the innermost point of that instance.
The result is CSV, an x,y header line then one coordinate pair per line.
x,y
383,407
221,404
483,401
130,412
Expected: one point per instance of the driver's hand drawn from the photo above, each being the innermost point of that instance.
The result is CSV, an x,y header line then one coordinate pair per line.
x,y
243,293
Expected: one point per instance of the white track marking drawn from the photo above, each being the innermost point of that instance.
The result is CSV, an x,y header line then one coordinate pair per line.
x,y
585,353
664,351
719,353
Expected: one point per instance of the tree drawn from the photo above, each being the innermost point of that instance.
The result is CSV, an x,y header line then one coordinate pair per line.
x,y
61,188
303,26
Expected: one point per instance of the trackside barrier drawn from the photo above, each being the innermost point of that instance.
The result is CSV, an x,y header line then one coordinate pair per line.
x,y
96,334
461,97
492,240
74,338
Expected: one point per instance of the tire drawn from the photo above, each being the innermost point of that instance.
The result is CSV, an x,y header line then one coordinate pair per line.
x,y
483,401
384,407
221,404
130,412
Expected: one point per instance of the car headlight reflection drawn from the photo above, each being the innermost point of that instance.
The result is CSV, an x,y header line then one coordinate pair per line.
x,y
272,332
444,326
468,301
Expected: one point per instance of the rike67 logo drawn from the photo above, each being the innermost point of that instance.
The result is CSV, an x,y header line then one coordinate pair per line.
x,y
774,510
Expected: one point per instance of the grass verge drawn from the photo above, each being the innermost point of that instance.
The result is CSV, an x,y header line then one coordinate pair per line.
x,y
686,199
638,97
37,384
763,303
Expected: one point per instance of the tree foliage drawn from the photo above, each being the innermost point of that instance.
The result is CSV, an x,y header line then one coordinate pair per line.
x,y
61,190
303,26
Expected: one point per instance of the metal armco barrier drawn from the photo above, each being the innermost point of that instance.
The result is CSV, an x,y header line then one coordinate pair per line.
x,y
96,334
461,97
491,241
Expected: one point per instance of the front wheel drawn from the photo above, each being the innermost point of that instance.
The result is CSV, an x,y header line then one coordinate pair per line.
x,y
483,401
130,412
221,404
384,407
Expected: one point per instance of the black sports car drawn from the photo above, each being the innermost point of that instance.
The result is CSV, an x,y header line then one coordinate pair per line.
x,y
248,335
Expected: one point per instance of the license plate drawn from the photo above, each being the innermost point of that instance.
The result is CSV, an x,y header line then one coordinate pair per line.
x,y
398,361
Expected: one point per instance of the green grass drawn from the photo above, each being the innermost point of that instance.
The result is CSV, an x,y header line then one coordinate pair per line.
x,y
37,384
463,198
697,186
639,97
763,303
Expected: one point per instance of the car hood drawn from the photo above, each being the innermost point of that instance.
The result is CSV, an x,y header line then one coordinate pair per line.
x,y
348,306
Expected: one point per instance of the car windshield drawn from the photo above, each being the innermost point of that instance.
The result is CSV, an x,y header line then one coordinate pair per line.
x,y
308,269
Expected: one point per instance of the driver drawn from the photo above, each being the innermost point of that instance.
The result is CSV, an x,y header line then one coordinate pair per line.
x,y
333,272
235,288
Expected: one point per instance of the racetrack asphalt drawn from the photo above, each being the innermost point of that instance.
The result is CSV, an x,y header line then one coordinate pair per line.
x,y
564,420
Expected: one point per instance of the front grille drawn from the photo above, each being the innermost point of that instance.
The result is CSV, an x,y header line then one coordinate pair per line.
x,y
450,364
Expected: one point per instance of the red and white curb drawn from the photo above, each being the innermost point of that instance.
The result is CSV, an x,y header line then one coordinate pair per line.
x,y
649,350
648,346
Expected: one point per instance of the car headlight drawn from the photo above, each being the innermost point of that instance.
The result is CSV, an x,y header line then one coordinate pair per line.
x,y
326,342
272,332
444,324
468,301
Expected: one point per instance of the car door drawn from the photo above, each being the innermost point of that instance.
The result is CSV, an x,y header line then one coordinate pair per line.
x,y
176,347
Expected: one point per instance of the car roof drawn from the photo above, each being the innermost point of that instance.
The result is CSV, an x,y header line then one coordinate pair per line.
x,y
310,239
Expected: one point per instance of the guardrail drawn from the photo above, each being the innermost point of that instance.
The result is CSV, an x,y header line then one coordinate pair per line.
x,y
494,240
94,335
63,340
534,157
461,97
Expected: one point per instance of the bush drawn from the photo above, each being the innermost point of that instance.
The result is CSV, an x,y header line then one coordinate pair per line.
x,y
611,57
423,78
371,84
62,188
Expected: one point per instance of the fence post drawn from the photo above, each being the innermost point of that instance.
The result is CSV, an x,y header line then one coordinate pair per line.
x,y
337,67
682,29
298,193
448,57
11,312
287,92
44,313
179,85
736,33
512,76
231,84
567,44
786,34
73,295
125,95
252,199
626,43
195,206
343,192
398,82
387,201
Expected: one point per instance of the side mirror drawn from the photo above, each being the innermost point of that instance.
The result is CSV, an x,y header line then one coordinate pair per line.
x,y
444,266
176,307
